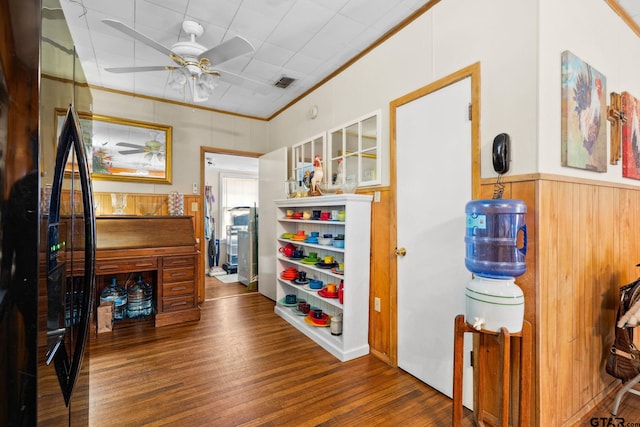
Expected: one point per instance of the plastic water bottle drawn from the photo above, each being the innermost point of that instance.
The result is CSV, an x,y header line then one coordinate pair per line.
x,y
118,295
139,299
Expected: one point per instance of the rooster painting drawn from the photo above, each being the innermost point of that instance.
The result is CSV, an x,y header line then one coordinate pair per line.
x,y
584,136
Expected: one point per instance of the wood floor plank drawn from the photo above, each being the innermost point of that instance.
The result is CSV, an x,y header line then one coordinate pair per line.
x,y
242,365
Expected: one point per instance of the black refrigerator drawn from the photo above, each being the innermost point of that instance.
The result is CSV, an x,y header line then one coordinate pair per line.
x,y
47,222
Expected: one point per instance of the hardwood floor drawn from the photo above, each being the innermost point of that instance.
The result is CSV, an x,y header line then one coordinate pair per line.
x,y
242,365
214,288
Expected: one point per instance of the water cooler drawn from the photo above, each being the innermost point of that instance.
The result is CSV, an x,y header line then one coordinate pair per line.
x,y
493,300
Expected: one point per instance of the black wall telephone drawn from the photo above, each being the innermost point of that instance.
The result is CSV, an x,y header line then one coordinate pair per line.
x,y
501,153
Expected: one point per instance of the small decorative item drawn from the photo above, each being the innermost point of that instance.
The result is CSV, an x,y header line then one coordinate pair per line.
x,y
316,176
176,203
617,118
584,115
118,203
630,135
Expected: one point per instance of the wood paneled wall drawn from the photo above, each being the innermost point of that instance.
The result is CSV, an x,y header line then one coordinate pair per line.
x,y
583,246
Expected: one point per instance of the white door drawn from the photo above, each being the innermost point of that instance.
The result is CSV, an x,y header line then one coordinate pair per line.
x,y
433,146
272,175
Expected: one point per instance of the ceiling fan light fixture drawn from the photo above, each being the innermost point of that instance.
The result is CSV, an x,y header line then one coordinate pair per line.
x,y
207,83
177,79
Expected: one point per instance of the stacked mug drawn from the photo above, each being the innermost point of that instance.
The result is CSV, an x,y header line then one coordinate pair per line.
x,y
176,203
493,300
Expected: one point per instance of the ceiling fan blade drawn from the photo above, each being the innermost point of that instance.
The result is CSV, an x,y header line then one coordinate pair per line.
x,y
129,145
138,69
250,84
136,35
131,152
225,51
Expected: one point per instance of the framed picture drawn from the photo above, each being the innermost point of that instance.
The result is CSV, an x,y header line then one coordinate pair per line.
x,y
125,150
630,137
584,115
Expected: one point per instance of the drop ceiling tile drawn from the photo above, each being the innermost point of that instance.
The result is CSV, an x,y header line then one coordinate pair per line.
x,y
251,23
366,12
333,5
273,54
334,36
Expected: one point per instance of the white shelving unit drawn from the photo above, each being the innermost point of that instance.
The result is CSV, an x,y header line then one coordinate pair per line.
x,y
354,341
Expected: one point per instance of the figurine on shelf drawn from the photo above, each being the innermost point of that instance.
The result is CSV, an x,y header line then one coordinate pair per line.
x,y
315,177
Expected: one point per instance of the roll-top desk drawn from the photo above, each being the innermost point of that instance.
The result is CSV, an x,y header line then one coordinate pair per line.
x,y
163,250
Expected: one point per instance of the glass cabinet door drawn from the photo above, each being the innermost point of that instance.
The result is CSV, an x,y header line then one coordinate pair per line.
x,y
303,155
354,152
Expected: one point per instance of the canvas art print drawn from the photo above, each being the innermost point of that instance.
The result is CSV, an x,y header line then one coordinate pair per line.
x,y
630,134
584,120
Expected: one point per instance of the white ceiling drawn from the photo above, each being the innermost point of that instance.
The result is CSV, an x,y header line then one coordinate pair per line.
x,y
304,39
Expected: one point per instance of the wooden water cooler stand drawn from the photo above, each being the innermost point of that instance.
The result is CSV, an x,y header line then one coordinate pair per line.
x,y
504,340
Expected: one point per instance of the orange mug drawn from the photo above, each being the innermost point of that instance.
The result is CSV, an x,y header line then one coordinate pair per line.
x,y
331,287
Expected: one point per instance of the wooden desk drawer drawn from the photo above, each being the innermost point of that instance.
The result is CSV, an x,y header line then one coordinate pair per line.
x,y
178,288
178,261
126,265
178,303
177,274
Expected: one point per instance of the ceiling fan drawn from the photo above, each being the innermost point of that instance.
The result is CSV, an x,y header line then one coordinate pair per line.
x,y
195,63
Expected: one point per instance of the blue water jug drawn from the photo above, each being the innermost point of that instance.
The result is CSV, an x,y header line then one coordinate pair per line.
x,y
116,293
491,240
139,299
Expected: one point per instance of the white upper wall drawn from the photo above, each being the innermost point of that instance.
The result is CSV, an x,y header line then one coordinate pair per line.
x,y
591,30
500,34
192,128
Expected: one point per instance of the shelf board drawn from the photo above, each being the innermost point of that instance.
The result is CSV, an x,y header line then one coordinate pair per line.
x,y
331,301
322,336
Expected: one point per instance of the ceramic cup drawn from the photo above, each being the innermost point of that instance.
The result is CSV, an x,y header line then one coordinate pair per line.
x,y
334,215
301,302
317,313
300,233
315,284
316,214
305,307
289,212
313,255
306,215
314,234
328,259
290,299
331,287
325,216
302,276
298,253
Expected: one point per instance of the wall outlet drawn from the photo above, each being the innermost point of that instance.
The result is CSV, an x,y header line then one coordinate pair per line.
x,y
195,188
376,304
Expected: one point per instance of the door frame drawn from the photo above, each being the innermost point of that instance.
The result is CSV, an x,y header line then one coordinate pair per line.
x,y
200,220
472,71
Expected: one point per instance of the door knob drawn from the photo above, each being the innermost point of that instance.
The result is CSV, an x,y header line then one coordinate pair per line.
x,y
401,251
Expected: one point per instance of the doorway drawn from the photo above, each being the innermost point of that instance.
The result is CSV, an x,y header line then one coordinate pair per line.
x,y
230,196
435,148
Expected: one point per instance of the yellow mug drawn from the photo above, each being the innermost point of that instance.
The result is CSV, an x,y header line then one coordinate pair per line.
x,y
328,259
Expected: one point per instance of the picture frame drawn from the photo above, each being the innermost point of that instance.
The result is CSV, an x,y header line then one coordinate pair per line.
x,y
630,136
584,115
125,150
